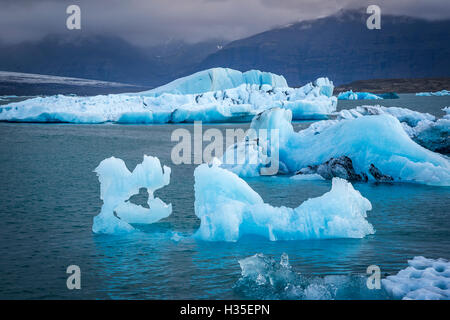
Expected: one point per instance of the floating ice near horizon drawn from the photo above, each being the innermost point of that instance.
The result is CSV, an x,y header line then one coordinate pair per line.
x,y
214,95
369,141
262,277
118,184
423,279
437,93
350,95
228,209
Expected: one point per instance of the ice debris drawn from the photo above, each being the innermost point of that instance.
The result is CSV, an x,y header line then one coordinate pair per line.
x,y
263,277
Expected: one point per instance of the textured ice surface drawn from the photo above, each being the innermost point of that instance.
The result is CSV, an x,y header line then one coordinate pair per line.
x,y
341,167
434,135
263,277
410,117
350,95
118,184
217,79
437,93
229,209
379,140
424,128
423,279
214,95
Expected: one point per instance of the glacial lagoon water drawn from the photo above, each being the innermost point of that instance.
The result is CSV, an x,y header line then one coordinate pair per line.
x,y
49,196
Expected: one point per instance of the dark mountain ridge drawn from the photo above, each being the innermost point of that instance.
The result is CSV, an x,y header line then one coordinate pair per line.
x,y
106,58
338,46
342,48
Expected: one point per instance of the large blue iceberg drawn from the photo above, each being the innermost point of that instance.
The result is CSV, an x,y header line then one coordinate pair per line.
x,y
229,209
377,147
214,95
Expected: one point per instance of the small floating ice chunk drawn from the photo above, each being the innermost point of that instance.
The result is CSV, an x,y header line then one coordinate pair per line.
x,y
263,277
437,93
307,177
118,184
229,209
176,237
423,279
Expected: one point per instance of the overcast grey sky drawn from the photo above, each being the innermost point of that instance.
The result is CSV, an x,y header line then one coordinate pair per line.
x,y
148,22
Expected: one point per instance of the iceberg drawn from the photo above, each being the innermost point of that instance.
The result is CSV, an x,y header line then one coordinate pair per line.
x,y
214,95
376,145
423,279
437,93
423,128
217,79
229,209
118,184
350,95
410,117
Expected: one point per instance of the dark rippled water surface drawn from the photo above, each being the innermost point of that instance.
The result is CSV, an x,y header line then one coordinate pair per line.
x,y
49,196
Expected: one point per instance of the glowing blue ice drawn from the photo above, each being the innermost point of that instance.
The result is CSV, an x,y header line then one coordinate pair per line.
x,y
118,184
350,95
423,128
229,208
217,79
379,140
215,95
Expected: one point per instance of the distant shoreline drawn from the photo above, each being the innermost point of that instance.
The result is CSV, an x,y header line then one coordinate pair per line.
x,y
28,84
32,84
402,85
